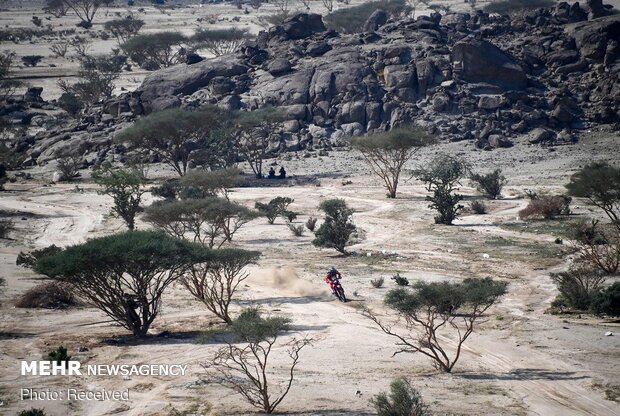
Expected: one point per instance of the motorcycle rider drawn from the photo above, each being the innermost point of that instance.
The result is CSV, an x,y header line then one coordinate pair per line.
x,y
332,278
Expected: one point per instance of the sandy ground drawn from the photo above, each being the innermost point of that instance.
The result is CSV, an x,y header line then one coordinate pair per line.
x,y
520,361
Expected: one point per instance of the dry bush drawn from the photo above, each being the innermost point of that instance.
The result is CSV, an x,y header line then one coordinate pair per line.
x,y
311,223
478,207
377,283
50,295
599,248
6,226
59,49
297,230
68,167
547,207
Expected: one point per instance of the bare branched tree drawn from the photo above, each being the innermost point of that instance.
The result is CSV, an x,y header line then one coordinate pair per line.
x,y
244,366
254,131
56,8
329,5
282,5
84,9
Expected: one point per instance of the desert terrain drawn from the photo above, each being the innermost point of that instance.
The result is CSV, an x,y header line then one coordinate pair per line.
x,y
520,360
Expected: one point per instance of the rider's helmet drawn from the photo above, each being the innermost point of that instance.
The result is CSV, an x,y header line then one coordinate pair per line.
x,y
333,271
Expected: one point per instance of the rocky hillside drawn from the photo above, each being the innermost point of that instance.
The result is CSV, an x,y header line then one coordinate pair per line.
x,y
543,75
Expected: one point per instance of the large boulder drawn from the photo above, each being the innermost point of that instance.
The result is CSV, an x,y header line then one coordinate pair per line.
x,y
302,25
159,89
592,37
481,61
377,19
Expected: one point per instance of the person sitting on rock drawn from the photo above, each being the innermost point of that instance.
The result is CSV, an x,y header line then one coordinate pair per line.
x,y
272,173
282,173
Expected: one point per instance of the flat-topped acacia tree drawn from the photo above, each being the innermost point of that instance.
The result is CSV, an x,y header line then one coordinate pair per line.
x,y
434,311
386,153
599,183
174,135
124,275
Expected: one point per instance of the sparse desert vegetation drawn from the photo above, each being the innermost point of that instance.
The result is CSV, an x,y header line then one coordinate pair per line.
x,y
142,220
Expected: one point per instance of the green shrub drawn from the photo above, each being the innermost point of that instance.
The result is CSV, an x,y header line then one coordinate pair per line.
x,y
442,178
71,103
337,227
400,280
607,301
490,184
32,412
59,355
352,19
578,286
599,183
274,208
404,400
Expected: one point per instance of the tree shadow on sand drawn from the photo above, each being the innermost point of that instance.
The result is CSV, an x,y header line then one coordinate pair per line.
x,y
326,412
524,374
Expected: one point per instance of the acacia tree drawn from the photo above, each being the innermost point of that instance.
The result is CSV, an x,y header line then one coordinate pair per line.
x,y
97,76
174,135
442,178
599,183
125,275
56,8
273,209
219,41
126,187
216,283
253,130
209,221
433,309
337,227
154,50
210,183
242,365
7,83
387,153
124,29
85,10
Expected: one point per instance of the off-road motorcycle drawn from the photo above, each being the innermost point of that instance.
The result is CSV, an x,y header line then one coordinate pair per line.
x,y
337,290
